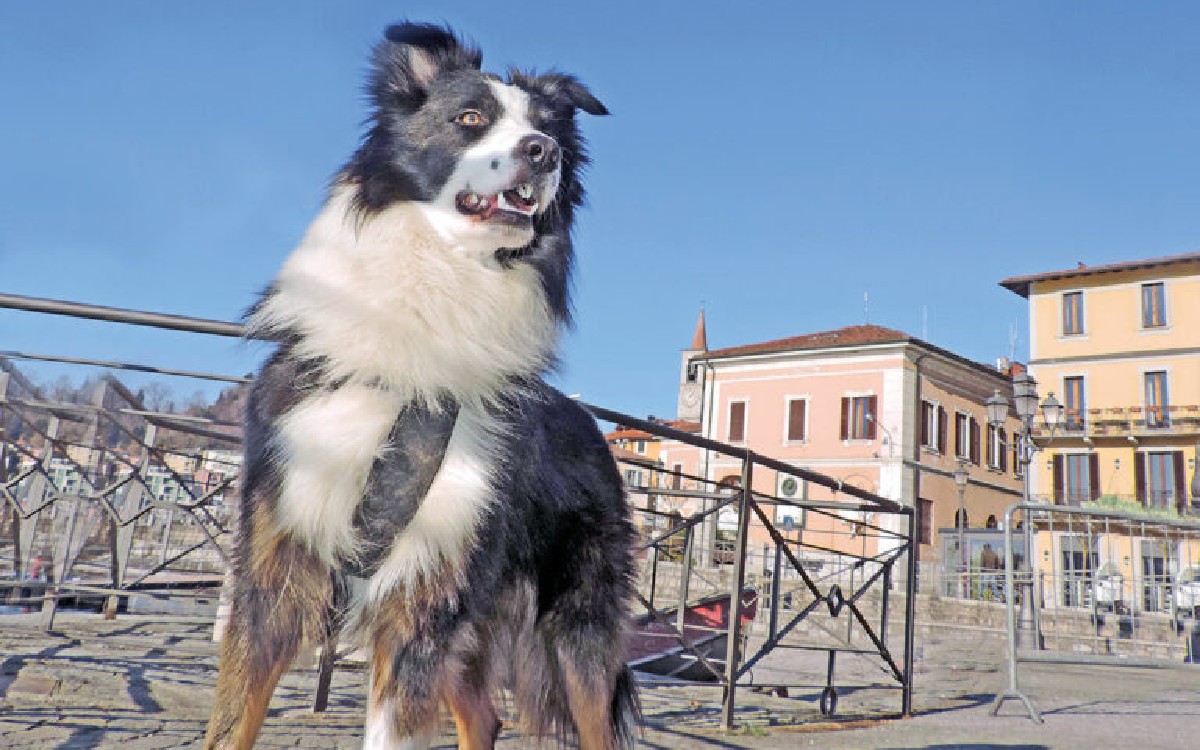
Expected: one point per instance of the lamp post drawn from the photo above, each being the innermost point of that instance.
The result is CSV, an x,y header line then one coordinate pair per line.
x,y
1025,403
960,481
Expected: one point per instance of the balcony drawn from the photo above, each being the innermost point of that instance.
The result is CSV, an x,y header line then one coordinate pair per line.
x,y
1131,422
1151,503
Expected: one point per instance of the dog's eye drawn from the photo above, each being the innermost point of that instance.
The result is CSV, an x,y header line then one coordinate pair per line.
x,y
472,118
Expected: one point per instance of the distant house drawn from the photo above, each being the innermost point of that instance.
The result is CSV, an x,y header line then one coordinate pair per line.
x,y
871,406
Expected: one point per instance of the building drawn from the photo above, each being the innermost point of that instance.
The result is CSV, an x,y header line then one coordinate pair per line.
x,y
867,405
1119,346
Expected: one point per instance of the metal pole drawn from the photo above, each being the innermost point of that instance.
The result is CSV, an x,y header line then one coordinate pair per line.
x,y
735,592
1010,608
910,609
1029,615
776,587
964,583
685,575
121,315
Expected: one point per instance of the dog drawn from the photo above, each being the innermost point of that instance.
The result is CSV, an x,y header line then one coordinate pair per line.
x,y
410,480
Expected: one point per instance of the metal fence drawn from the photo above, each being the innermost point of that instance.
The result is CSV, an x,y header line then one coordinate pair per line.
x,y
788,590
97,506
1099,587
104,506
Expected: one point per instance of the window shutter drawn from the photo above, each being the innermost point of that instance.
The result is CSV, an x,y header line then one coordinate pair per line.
x,y
795,426
873,422
926,411
845,419
1001,440
1139,477
1094,475
737,421
1058,478
1180,481
974,441
943,427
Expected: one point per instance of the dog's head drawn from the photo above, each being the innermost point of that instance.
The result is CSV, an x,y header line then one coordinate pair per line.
x,y
493,163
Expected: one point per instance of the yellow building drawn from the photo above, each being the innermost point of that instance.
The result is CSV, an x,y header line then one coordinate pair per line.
x,y
1119,346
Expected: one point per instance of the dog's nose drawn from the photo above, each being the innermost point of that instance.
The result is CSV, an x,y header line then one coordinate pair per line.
x,y
541,151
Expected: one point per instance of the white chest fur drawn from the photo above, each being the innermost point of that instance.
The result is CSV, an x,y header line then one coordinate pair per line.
x,y
329,443
389,299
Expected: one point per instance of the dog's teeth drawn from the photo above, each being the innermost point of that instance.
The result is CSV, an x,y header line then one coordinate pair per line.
x,y
525,190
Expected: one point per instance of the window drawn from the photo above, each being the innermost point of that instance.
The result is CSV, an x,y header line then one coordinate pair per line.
x,y
1075,405
933,426
1157,405
962,435
966,437
796,428
633,477
1072,313
639,446
1076,478
997,456
737,421
1160,478
858,417
1154,305
924,521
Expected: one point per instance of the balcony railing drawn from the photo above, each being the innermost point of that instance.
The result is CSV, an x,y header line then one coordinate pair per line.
x,y
1131,421
1152,502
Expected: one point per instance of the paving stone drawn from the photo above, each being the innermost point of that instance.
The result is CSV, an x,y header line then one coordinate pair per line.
x,y
34,684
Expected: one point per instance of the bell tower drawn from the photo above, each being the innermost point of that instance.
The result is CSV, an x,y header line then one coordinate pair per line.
x,y
691,382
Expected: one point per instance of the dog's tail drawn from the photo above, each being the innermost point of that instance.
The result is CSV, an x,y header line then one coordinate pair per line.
x,y
626,710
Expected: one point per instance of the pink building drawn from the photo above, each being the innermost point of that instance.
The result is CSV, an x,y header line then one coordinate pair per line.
x,y
870,406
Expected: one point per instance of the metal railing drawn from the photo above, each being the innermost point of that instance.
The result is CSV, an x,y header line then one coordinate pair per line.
x,y
101,493
1099,586
829,591
97,505
1129,421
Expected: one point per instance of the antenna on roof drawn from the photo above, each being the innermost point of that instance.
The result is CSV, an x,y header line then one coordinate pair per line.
x,y
1012,342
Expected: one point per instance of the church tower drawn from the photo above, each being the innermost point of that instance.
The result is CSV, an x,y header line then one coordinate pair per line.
x,y
691,382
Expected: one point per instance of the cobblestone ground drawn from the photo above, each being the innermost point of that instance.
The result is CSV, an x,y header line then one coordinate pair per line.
x,y
140,683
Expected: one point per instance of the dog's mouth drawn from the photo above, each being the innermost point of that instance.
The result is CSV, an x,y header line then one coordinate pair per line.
x,y
518,203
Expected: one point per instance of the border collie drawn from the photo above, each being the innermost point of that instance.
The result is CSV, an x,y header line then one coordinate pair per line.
x,y
409,478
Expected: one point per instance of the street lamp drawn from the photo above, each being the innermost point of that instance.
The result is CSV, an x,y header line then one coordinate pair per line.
x,y
960,480
1025,401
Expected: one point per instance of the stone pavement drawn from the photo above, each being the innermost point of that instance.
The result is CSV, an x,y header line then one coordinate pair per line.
x,y
139,683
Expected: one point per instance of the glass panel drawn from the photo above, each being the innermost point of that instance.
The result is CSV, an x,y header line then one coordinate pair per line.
x,y
1076,479
1160,480
1073,394
1156,399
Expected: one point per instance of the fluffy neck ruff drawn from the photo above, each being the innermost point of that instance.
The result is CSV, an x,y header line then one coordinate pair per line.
x,y
386,299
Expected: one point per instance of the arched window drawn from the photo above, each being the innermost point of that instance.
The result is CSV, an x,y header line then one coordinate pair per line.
x,y
991,522
961,514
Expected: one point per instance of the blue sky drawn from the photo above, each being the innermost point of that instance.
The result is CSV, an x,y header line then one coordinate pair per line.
x,y
773,161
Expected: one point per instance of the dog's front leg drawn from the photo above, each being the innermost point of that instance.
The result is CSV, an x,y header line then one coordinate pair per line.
x,y
282,595
413,661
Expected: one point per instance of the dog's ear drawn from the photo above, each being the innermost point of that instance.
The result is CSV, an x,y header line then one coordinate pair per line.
x,y
561,88
411,56
582,98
